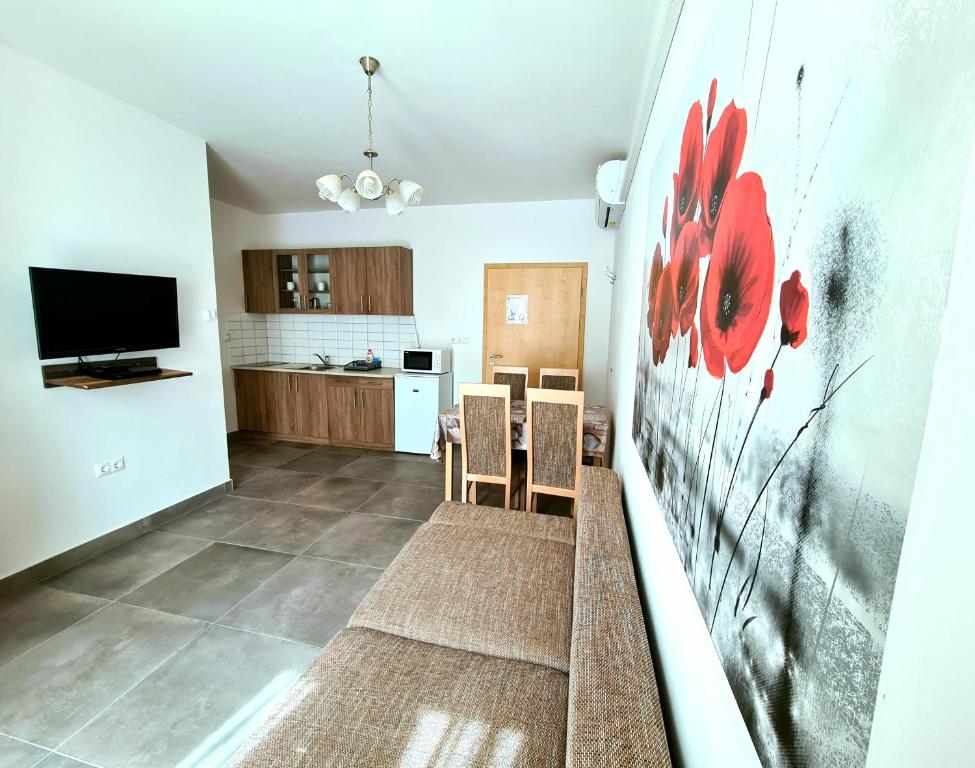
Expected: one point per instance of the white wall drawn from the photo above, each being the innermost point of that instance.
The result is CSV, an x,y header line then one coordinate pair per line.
x,y
234,230
451,244
924,699
91,183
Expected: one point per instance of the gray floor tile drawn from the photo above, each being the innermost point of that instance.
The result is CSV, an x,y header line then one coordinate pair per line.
x,y
52,690
208,584
254,438
239,473
429,473
365,539
31,617
60,761
235,450
197,708
275,484
420,457
124,568
298,444
273,455
17,754
345,494
372,468
308,600
415,502
321,462
218,518
285,528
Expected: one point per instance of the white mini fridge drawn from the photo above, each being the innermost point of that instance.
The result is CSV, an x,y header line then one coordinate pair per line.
x,y
419,398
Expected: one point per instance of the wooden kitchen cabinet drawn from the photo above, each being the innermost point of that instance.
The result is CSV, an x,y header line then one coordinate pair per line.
x,y
265,401
358,281
360,411
259,282
311,411
376,405
340,410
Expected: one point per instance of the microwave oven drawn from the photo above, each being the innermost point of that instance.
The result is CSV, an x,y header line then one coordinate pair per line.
x,y
425,360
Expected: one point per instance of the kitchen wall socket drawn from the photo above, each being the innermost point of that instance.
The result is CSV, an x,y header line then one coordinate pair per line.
x,y
460,340
108,467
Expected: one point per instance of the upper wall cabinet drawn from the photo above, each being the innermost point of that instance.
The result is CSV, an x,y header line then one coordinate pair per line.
x,y
346,281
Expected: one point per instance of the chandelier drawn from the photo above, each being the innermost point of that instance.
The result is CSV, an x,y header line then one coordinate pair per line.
x,y
367,184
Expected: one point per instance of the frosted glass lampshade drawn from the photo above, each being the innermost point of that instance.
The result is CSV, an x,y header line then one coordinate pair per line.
x,y
349,201
411,192
394,203
329,187
369,185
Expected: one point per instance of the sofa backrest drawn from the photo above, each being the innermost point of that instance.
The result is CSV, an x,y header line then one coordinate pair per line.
x,y
614,708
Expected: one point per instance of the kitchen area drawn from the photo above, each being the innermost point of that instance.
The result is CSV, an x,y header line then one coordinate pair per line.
x,y
328,350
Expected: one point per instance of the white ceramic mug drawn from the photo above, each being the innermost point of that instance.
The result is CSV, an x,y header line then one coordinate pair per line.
x,y
291,286
321,287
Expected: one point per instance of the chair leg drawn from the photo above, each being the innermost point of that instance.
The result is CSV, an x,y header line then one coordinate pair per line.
x,y
507,495
472,494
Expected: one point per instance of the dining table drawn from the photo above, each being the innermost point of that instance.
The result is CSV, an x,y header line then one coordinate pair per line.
x,y
595,436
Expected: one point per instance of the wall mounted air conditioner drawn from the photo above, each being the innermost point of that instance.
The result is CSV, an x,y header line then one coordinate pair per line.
x,y
609,193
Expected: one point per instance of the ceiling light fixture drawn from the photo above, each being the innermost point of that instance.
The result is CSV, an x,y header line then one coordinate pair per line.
x,y
367,184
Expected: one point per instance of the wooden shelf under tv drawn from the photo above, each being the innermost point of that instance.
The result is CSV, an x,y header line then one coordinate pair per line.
x,y
69,375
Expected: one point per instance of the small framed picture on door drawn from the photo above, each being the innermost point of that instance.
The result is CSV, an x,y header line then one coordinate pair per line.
x,y
517,309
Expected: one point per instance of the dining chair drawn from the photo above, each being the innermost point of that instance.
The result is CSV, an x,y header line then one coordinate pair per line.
x,y
559,378
485,439
553,427
515,377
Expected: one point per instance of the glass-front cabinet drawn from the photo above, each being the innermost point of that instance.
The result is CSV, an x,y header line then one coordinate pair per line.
x,y
288,276
318,281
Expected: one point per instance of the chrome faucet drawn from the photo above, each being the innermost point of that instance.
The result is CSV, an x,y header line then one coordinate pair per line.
x,y
323,359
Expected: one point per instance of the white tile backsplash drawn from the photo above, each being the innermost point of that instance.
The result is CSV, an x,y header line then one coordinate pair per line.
x,y
296,338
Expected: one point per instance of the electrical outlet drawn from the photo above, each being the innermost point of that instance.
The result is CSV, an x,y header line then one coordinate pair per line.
x,y
460,340
108,467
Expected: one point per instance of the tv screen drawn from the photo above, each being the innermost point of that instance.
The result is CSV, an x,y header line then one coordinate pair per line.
x,y
89,313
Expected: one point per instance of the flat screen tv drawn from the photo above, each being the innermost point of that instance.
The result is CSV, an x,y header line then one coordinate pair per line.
x,y
89,313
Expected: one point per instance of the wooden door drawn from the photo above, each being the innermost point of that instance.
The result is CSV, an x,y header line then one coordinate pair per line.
x,y
377,414
342,406
382,281
551,332
348,296
250,400
279,402
259,284
311,409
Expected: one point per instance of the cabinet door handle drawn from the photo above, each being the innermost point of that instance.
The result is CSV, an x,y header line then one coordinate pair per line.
x,y
370,303
362,307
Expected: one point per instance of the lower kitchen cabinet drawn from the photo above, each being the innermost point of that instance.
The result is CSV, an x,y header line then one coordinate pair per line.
x,y
340,410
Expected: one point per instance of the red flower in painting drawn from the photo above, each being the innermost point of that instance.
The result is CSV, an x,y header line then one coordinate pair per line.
x,y
687,179
794,308
738,287
656,267
767,387
695,348
664,315
721,161
686,273
712,95
666,200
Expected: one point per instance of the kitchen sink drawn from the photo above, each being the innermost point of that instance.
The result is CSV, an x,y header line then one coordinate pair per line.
x,y
316,367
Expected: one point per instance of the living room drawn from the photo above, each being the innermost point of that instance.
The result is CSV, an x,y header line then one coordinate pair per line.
x,y
253,370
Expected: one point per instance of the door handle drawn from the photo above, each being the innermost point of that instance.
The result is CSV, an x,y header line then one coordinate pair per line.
x,y
362,304
370,303
492,357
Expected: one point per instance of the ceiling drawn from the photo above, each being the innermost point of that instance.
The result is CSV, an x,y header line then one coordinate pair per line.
x,y
489,101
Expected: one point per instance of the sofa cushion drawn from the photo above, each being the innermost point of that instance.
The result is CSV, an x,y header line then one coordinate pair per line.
x,y
378,700
614,706
481,590
509,520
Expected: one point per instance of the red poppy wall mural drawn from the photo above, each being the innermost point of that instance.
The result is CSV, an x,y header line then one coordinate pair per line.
x,y
787,338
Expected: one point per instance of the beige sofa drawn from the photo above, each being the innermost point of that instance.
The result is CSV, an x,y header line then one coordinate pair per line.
x,y
496,638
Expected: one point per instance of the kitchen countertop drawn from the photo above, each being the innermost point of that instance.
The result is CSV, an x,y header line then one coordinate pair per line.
x,y
385,372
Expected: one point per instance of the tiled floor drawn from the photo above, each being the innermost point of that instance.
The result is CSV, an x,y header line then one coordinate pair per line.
x,y
166,650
